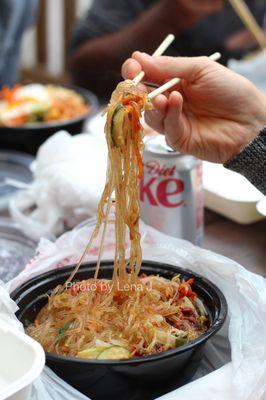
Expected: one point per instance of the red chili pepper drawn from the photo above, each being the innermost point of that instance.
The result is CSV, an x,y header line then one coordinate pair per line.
x,y
74,289
183,290
193,295
36,323
190,281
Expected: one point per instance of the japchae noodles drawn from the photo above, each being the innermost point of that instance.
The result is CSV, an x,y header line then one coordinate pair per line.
x,y
34,103
131,315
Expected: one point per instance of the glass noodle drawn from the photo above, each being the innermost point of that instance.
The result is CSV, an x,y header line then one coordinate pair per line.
x,y
132,314
121,189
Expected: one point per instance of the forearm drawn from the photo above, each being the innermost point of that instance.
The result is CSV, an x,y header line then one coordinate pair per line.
x,y
103,56
251,162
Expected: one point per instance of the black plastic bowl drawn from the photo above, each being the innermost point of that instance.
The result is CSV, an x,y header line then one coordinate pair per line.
x,y
28,138
140,378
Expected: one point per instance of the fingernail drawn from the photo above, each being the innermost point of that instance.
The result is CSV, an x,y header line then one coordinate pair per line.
x,y
136,54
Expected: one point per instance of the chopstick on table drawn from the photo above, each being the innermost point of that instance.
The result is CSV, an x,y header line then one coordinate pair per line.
x,y
158,52
175,81
249,21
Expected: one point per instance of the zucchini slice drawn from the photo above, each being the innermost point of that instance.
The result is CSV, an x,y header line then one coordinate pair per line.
x,y
181,341
117,126
114,353
91,352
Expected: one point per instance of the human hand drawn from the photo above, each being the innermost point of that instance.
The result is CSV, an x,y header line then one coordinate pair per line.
x,y
212,114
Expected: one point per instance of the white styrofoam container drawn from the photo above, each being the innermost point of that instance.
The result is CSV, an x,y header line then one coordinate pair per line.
x,y
21,362
231,195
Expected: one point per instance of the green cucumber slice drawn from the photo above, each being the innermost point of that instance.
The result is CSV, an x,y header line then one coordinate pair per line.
x,y
117,126
91,352
114,353
181,341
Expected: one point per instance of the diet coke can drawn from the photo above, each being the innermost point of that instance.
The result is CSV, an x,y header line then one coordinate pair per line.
x,y
171,192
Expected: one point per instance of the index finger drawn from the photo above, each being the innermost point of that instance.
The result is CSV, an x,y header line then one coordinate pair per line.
x,y
159,69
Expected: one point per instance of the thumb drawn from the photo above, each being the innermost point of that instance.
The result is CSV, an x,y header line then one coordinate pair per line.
x,y
163,67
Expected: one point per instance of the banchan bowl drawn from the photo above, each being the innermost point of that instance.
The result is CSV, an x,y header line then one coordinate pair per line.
x,y
28,138
140,378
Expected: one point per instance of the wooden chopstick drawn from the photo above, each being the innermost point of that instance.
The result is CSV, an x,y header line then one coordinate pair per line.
x,y
249,21
175,81
158,52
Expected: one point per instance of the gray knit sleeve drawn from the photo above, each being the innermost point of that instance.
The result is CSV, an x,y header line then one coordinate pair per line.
x,y
251,162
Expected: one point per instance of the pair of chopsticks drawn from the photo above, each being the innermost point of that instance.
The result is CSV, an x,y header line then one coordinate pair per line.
x,y
249,21
158,52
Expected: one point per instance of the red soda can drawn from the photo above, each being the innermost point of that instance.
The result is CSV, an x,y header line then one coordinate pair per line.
x,y
171,191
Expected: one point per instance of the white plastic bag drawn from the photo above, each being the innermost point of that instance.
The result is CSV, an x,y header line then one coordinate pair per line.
x,y
244,378
49,386
66,188
8,309
253,69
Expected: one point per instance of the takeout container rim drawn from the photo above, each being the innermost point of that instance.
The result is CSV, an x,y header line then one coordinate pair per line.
x,y
105,265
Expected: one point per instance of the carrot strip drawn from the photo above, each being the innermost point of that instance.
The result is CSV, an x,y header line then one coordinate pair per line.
x,y
128,99
139,159
133,112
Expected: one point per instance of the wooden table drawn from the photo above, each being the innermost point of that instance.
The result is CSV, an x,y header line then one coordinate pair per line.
x,y
245,244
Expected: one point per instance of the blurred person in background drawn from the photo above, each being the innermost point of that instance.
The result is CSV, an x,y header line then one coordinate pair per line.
x,y
15,17
112,30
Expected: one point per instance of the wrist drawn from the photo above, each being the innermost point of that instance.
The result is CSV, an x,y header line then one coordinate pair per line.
x,y
263,120
261,117
257,121
251,162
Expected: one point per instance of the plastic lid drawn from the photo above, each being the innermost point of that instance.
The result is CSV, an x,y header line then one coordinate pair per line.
x,y
14,167
15,249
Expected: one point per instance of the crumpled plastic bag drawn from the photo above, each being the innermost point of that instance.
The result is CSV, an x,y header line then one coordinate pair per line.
x,y
68,179
244,378
253,69
51,387
7,309
48,386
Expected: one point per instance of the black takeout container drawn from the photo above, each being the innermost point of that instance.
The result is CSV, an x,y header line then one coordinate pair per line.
x,y
140,378
28,138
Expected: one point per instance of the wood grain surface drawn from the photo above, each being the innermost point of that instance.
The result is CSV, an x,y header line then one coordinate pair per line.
x,y
245,244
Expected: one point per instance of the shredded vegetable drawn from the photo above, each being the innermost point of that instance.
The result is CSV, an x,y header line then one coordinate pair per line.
x,y
35,103
150,317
